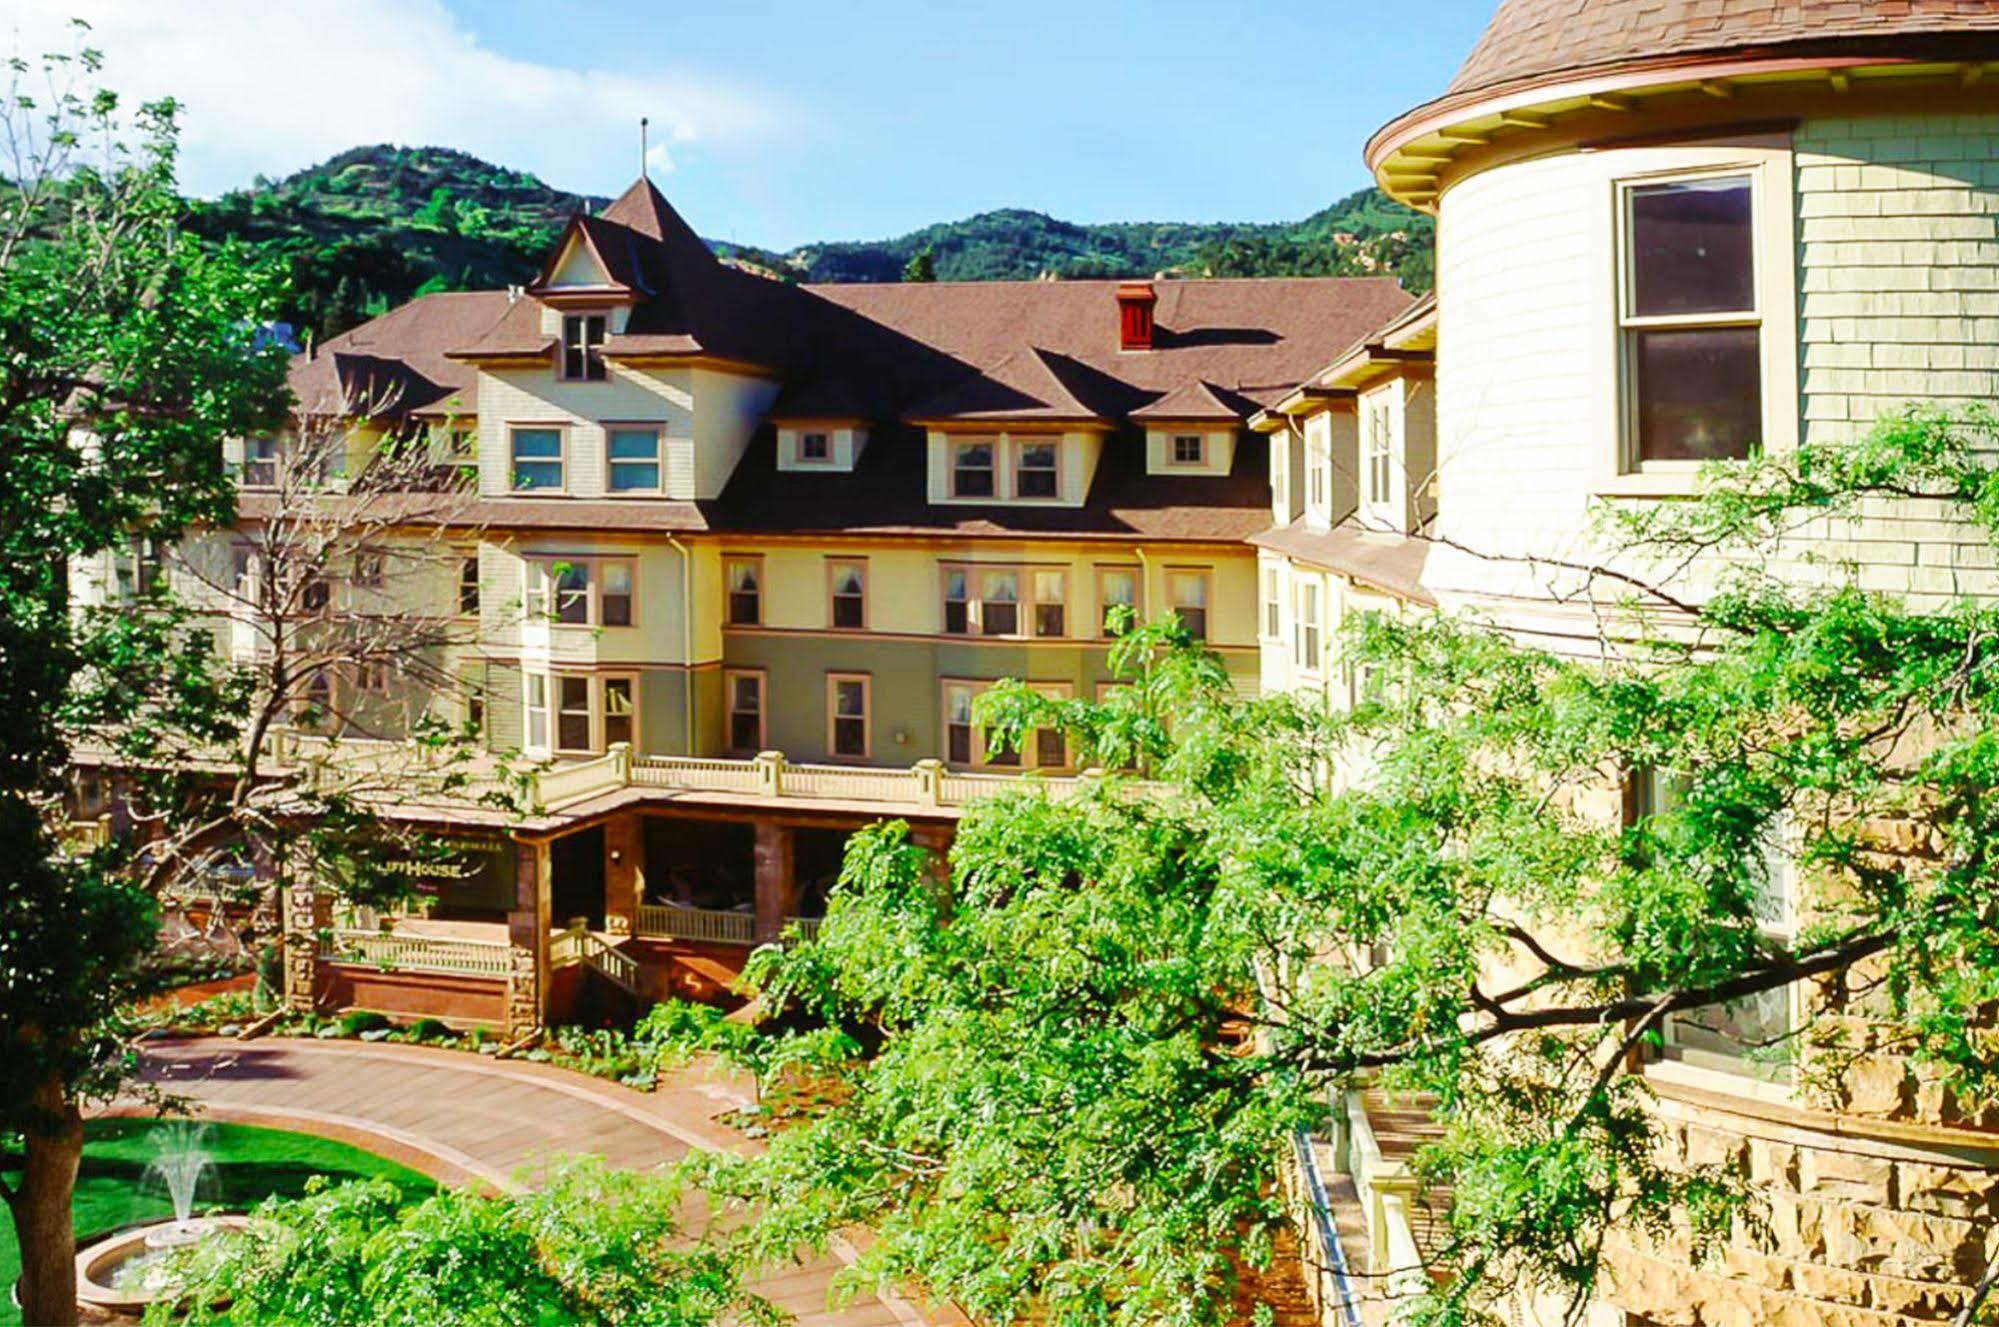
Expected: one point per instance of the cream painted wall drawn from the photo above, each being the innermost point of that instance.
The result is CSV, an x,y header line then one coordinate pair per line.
x,y
706,417
906,583
1220,449
1331,447
656,635
1076,467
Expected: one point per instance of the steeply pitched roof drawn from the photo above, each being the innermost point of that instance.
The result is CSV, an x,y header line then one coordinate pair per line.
x,y
1031,385
1531,40
399,363
1195,401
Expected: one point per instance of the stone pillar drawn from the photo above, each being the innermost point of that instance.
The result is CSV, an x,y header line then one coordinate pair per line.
x,y
306,913
624,872
777,882
527,938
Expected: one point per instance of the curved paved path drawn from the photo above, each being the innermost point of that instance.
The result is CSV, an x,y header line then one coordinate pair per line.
x,y
466,1119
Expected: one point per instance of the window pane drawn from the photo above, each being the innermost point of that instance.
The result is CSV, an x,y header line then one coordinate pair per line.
x,y
572,593
634,445
537,458
1051,748
850,698
748,698
1037,470
634,477
1699,393
537,443
972,471
1691,248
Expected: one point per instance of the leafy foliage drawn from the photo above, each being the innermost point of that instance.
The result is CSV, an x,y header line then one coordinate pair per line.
x,y
588,1245
1066,1061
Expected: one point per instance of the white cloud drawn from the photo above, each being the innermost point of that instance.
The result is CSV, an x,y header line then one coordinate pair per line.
x,y
273,85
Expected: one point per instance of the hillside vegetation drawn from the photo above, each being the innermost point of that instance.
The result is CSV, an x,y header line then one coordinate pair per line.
x,y
373,226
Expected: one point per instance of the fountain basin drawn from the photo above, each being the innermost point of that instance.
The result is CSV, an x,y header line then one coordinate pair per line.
x,y
111,1274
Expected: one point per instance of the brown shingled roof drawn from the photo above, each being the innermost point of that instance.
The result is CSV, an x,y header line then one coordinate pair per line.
x,y
1534,40
399,363
1197,400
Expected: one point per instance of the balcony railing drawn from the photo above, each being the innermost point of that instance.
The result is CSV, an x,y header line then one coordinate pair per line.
x,y
665,922
1386,1187
416,953
926,785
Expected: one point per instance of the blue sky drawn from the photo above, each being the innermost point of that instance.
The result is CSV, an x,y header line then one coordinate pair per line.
x,y
779,121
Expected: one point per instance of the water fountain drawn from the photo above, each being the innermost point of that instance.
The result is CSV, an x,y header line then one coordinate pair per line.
x,y
133,1267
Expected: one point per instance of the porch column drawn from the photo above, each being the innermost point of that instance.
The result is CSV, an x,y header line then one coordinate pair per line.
x,y
935,838
624,873
527,939
777,882
306,912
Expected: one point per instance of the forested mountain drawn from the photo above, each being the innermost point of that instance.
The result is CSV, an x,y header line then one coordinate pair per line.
x,y
373,226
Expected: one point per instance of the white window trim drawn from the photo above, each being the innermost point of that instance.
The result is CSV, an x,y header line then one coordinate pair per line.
x,y
1768,161
1381,410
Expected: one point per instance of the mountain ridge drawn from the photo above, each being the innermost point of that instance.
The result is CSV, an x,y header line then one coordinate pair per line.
x,y
370,227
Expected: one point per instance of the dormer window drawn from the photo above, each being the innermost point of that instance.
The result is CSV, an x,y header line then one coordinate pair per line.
x,y
815,446
972,469
1190,449
583,347
1034,473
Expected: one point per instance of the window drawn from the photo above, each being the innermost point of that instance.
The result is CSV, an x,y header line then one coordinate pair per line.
x,y
1380,453
971,469
746,711
1051,748
619,713
583,346
847,715
849,584
537,460
317,711
959,734
999,603
260,463
582,592
1315,483
1189,591
243,571
1117,587
468,585
964,743
461,446
745,580
571,583
957,601
815,446
1308,643
572,713
1051,604
537,708
1749,1036
369,569
1190,449
371,677
633,455
1273,611
473,690
1693,364
314,593
1280,474
1034,471
615,606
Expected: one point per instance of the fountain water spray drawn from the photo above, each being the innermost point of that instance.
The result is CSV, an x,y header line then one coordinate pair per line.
x,y
182,1159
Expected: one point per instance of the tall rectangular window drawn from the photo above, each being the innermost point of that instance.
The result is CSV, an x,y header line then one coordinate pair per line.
x,y
537,460
620,714
1117,587
849,591
745,578
1051,604
957,601
572,713
1034,472
633,455
468,585
260,463
746,711
583,346
370,569
537,709
847,715
971,469
614,606
1309,641
1273,611
958,734
1693,364
1380,455
571,582
999,603
1189,591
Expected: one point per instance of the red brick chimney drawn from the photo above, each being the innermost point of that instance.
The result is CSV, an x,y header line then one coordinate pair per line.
x,y
1134,315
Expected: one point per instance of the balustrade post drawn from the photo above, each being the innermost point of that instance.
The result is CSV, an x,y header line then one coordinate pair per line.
x,y
930,781
770,773
621,763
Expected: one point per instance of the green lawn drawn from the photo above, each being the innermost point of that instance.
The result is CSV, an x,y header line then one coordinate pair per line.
x,y
247,1164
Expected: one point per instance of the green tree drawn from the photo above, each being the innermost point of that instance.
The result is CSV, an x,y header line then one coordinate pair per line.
x,y
591,1245
130,353
922,265
1063,1066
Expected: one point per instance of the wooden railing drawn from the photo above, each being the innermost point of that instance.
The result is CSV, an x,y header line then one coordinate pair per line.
x,y
579,944
926,785
416,953
1386,1188
707,924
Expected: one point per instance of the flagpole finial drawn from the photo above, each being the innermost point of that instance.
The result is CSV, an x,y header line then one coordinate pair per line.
x,y
645,166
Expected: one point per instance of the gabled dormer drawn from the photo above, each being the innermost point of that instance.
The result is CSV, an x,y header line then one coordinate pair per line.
x,y
1191,430
1392,379
1025,432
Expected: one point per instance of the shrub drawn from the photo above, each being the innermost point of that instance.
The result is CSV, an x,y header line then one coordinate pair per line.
x,y
356,1021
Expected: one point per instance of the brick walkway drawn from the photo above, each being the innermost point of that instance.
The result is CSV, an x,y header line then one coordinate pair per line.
x,y
465,1119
